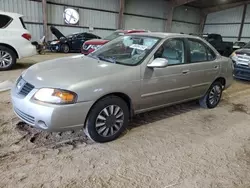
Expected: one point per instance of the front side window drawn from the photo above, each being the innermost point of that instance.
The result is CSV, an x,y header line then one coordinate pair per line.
x,y
5,21
126,50
173,51
199,52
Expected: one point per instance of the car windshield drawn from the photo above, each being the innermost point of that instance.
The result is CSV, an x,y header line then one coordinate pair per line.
x,y
247,45
126,50
114,36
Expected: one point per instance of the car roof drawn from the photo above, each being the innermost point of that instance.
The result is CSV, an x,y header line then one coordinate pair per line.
x,y
11,14
131,31
165,35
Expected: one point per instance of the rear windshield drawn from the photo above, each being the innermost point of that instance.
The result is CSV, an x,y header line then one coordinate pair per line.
x,y
5,21
21,19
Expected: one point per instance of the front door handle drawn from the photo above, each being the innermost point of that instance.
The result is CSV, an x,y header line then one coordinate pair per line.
x,y
216,66
185,71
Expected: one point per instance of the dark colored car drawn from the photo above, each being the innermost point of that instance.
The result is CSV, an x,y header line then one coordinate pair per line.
x,y
224,48
92,45
70,43
241,60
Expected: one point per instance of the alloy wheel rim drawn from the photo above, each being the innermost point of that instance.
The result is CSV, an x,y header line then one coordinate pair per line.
x,y
109,121
66,48
5,59
214,95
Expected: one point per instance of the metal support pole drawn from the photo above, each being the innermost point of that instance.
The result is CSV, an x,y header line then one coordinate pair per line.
x,y
202,22
121,14
170,12
242,22
45,20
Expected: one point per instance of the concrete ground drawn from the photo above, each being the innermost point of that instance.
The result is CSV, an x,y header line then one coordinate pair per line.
x,y
183,146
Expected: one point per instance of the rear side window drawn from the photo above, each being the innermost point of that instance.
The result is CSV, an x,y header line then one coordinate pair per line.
x,y
21,19
5,21
199,52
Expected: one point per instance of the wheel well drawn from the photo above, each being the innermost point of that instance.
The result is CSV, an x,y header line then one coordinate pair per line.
x,y
123,96
10,47
221,80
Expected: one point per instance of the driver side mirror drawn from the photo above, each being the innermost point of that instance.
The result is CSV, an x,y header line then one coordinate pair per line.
x,y
158,63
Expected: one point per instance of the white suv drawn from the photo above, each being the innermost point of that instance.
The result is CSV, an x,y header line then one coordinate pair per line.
x,y
14,40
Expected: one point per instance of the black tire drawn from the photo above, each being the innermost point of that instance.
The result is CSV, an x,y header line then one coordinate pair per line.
x,y
91,129
12,55
65,48
206,102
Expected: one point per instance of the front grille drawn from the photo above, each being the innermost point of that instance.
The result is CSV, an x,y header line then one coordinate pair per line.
x,y
29,119
23,87
26,89
244,66
243,59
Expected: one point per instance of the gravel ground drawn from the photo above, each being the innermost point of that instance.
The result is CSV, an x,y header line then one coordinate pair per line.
x,y
176,147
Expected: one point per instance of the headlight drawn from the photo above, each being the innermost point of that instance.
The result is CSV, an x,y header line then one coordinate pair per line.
x,y
95,47
55,42
234,57
55,96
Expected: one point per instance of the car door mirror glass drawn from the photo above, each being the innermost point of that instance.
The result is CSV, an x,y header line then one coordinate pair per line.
x,y
158,63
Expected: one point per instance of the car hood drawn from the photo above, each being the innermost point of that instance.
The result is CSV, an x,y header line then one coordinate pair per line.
x,y
96,42
243,51
56,33
64,73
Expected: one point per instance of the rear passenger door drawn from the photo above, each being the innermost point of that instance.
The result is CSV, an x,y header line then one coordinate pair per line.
x,y
204,66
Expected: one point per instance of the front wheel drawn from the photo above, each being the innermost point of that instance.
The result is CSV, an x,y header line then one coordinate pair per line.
x,y
212,97
107,119
65,48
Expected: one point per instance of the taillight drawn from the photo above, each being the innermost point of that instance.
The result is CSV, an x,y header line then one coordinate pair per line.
x,y
26,36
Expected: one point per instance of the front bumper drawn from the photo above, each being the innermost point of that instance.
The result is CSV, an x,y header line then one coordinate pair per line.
x,y
241,72
54,47
49,117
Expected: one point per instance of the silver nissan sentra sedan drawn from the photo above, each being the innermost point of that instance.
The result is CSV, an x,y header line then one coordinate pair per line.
x,y
129,75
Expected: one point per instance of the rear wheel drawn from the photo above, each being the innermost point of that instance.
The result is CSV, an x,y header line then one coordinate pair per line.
x,y
107,119
7,58
212,97
65,48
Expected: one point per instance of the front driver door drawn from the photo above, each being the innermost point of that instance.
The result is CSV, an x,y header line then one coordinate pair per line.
x,y
78,41
165,86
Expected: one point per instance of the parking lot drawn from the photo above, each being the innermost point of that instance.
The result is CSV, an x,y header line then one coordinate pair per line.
x,y
179,146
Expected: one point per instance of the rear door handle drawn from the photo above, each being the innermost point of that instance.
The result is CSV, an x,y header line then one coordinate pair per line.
x,y
185,71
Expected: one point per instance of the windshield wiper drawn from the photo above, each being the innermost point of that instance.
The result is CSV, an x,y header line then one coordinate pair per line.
x,y
108,59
